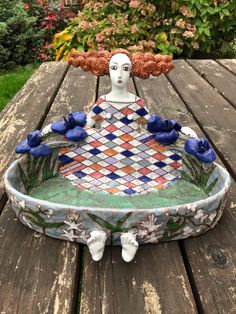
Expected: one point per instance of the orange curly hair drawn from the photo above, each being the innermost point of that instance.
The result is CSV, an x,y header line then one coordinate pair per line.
x,y
143,64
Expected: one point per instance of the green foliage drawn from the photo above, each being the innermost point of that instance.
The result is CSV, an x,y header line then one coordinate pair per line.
x,y
174,226
51,17
17,34
197,173
38,169
118,227
39,221
171,27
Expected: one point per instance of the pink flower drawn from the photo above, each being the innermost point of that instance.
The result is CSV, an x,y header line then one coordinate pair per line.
x,y
26,6
149,43
195,46
186,12
188,34
151,8
134,4
166,22
173,31
180,23
117,2
191,27
84,25
100,37
134,29
107,31
136,48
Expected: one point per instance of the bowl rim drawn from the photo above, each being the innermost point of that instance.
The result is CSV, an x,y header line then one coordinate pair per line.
x,y
57,206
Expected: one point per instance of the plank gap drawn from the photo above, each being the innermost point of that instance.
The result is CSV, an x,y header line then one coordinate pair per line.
x,y
209,82
220,155
191,278
79,284
3,202
221,62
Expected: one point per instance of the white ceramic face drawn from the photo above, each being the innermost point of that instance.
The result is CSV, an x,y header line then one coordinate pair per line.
x,y
120,68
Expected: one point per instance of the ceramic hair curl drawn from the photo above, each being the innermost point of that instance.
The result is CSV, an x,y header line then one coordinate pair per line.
x,y
143,64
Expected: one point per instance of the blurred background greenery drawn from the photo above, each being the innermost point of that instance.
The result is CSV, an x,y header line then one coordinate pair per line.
x,y
35,31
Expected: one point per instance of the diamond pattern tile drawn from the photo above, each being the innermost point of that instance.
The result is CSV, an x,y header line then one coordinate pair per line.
x,y
118,159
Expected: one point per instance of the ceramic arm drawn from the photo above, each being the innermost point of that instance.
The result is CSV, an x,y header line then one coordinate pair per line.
x,y
186,131
46,130
90,121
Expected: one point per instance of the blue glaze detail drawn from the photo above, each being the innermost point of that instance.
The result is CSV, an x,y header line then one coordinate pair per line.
x,y
127,153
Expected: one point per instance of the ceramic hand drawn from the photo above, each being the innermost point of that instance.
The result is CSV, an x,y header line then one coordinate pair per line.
x,y
188,132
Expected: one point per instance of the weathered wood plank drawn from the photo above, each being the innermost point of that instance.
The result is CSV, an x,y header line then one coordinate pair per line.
x,y
212,258
78,91
45,277
152,283
216,116
220,78
214,287
27,110
162,99
118,287
230,64
37,274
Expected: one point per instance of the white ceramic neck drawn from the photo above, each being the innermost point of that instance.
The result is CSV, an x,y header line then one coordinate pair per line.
x,y
120,95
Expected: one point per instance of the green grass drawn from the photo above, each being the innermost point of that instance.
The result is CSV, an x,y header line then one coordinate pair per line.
x,y
12,81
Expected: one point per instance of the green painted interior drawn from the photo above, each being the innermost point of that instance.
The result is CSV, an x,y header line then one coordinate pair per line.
x,y
60,190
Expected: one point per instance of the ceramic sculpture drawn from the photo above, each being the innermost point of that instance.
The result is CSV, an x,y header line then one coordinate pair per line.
x,y
119,169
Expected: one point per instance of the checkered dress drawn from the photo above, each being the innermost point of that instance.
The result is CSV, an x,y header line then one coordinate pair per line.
x,y
118,158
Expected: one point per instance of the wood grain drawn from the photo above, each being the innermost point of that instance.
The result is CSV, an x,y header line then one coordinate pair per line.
x,y
77,91
215,115
212,262
230,64
219,77
212,277
39,275
36,274
154,282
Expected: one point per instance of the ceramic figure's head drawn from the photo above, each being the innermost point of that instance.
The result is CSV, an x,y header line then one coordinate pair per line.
x,y
143,64
120,68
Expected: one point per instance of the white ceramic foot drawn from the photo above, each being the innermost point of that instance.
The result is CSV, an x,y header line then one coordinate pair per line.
x,y
129,246
96,244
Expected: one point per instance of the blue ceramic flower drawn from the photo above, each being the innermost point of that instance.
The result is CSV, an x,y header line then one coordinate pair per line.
x,y
71,127
201,149
153,123
167,131
33,145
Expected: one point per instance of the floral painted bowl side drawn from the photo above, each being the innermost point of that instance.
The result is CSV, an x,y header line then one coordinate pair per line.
x,y
75,223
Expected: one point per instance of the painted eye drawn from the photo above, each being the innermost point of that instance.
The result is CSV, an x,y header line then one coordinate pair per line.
x,y
126,69
113,67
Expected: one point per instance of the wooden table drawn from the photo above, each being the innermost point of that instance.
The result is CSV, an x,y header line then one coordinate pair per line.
x,y
197,275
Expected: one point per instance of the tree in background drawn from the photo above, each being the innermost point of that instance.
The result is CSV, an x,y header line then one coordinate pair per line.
x,y
17,34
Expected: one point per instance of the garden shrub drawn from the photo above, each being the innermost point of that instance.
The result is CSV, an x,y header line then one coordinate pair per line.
x,y
17,34
51,18
171,27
